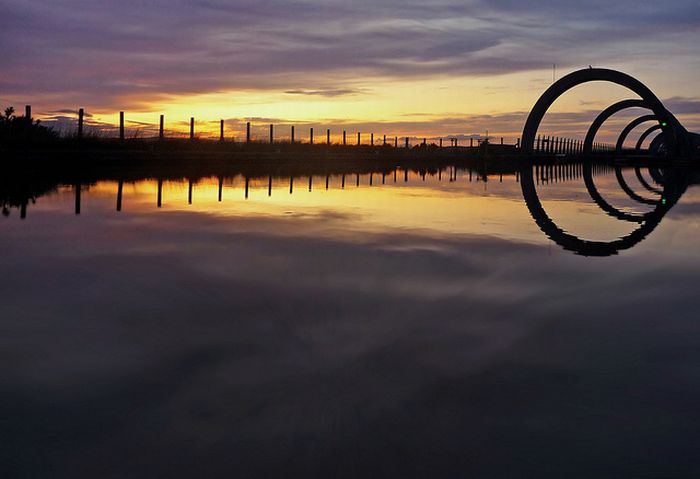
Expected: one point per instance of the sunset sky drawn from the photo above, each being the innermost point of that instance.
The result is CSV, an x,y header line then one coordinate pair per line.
x,y
447,67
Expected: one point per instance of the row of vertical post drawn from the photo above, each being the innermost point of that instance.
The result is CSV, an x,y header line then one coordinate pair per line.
x,y
555,173
161,133
556,145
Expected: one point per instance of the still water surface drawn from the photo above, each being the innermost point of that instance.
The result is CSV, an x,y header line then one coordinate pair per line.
x,y
407,325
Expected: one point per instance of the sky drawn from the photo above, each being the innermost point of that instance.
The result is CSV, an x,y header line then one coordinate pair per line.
x,y
447,67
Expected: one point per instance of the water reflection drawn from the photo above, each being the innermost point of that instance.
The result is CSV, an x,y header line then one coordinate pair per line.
x,y
662,189
216,325
674,183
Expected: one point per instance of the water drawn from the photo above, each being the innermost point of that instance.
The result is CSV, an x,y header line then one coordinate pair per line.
x,y
417,327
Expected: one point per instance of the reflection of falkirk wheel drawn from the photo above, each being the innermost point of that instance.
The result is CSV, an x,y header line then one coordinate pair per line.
x,y
677,140
674,185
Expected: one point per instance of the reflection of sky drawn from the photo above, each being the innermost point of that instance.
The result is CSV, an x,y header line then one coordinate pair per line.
x,y
428,205
401,329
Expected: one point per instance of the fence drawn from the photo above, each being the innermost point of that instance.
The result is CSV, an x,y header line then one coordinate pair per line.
x,y
261,133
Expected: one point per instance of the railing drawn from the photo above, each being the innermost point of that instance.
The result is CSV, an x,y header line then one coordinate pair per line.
x,y
257,132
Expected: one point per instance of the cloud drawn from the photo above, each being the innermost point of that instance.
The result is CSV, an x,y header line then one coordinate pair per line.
x,y
86,114
327,92
682,105
100,53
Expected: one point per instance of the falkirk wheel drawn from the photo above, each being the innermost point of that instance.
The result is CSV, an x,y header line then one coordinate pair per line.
x,y
672,141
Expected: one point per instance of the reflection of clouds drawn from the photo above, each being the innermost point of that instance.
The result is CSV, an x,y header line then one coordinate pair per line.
x,y
181,344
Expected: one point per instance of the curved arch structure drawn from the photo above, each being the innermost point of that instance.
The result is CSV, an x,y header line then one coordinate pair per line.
x,y
673,189
628,129
658,144
678,138
629,191
644,182
603,117
603,204
645,135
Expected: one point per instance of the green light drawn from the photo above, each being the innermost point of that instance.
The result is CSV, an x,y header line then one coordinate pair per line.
x,y
663,201
664,124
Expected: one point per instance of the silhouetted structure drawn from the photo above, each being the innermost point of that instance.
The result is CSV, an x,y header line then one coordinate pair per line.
x,y
678,141
674,184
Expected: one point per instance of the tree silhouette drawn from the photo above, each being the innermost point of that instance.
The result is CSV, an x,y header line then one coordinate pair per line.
x,y
19,129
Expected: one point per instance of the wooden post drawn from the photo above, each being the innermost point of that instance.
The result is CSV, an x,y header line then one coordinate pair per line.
x,y
122,134
246,187
81,116
247,132
159,201
456,142
425,141
161,132
501,140
471,142
192,128
292,135
120,187
440,142
344,142
406,142
189,193
28,131
384,141
221,187
269,185
221,130
271,135
311,135
328,136
371,139
358,138
396,142
311,179
77,198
